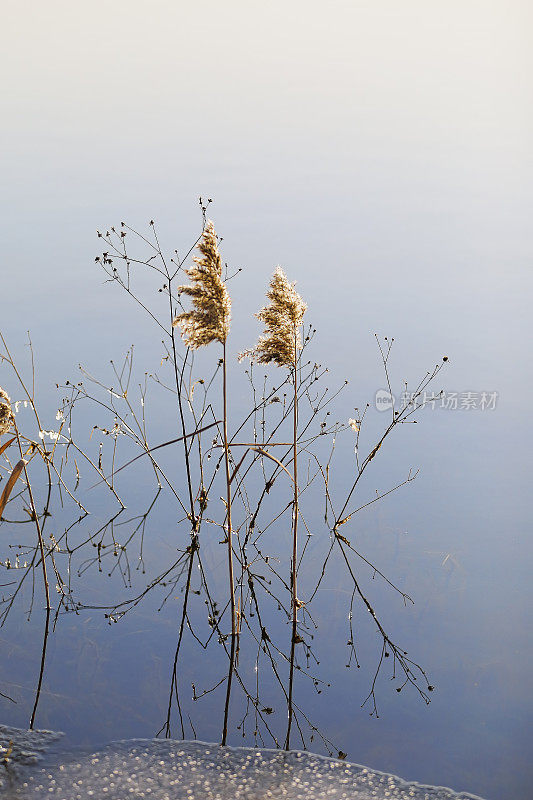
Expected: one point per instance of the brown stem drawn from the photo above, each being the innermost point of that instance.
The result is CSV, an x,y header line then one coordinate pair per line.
x,y
294,556
174,680
230,550
195,530
35,516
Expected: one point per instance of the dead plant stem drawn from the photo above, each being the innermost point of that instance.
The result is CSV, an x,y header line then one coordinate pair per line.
x,y
230,549
294,552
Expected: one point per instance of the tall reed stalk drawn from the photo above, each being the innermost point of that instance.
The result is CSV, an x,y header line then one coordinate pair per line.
x,y
294,599
230,548
280,344
209,321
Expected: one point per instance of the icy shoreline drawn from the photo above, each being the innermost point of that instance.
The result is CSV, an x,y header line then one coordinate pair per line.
x,y
161,769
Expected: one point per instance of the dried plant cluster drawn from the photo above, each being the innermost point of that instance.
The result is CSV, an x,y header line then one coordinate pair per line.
x,y
6,414
209,320
283,319
248,492
38,477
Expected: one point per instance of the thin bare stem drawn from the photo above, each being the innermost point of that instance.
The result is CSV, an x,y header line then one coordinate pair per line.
x,y
35,517
294,565
230,548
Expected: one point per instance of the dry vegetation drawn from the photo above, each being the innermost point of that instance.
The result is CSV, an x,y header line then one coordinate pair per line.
x,y
244,485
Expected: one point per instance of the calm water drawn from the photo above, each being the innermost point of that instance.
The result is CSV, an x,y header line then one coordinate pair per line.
x,y
384,159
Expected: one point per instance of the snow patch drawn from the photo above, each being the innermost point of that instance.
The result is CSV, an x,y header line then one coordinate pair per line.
x,y
174,770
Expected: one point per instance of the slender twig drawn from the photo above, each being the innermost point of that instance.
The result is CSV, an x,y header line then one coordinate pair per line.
x,y
45,582
294,565
229,534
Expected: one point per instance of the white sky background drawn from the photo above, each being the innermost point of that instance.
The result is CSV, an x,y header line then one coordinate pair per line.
x,y
448,72
378,135
392,134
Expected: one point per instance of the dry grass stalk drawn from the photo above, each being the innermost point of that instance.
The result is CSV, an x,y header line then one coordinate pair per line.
x,y
17,469
209,321
6,444
7,420
280,344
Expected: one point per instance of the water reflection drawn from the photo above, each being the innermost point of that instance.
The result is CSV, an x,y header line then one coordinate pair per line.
x,y
159,583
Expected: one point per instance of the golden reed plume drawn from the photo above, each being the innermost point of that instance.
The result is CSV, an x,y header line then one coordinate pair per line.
x,y
282,318
6,415
209,319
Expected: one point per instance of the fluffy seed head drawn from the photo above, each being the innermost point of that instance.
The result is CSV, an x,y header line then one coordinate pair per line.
x,y
6,415
282,318
209,319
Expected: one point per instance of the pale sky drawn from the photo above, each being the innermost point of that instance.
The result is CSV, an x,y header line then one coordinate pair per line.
x,y
390,140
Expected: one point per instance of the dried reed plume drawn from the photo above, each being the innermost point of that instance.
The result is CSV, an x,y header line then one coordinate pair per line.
x,y
209,319
6,414
282,317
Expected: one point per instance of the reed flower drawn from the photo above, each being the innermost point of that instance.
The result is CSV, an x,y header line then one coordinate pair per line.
x,y
209,319
282,318
7,418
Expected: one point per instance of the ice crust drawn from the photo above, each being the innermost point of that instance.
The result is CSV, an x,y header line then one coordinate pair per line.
x,y
175,770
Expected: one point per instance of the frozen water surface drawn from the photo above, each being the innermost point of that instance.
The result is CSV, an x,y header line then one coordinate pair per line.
x,y
175,770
